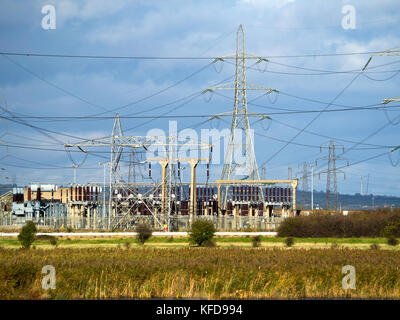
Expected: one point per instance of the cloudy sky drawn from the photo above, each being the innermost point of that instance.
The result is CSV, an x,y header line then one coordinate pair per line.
x,y
303,40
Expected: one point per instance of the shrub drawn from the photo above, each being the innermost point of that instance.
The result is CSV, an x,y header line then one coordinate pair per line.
x,y
69,229
392,230
54,241
374,246
392,241
361,224
27,234
289,241
200,231
144,232
209,243
256,241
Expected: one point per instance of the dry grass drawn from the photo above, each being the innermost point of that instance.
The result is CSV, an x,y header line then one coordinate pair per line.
x,y
210,273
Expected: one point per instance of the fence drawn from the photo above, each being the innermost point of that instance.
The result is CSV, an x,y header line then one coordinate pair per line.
x,y
173,223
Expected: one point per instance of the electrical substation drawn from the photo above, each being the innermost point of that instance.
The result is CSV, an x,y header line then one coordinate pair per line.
x,y
168,202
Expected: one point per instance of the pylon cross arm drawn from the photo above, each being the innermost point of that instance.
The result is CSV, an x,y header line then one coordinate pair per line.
x,y
385,101
232,86
390,52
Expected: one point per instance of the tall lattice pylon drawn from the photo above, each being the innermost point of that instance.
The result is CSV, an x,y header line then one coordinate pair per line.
x,y
116,150
304,177
332,195
235,162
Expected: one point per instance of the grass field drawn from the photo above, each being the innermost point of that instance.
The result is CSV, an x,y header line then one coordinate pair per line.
x,y
209,273
181,242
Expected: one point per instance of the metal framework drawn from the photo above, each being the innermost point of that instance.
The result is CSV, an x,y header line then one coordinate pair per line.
x,y
304,183
240,116
124,197
332,196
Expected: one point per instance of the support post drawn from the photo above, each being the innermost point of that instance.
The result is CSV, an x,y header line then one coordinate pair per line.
x,y
250,216
294,186
87,216
94,218
234,217
193,203
164,165
219,199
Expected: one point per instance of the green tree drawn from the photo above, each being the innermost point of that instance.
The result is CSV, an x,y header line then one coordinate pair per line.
x,y
392,241
143,232
289,241
256,241
201,231
27,234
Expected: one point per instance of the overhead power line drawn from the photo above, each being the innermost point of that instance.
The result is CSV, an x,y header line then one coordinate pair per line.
x,y
317,116
48,55
74,118
105,110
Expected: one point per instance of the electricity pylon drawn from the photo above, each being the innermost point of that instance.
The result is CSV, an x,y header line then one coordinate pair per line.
x,y
166,149
332,196
304,182
290,173
132,169
240,115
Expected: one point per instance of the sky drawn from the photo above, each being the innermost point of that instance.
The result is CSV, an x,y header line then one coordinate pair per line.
x,y
303,41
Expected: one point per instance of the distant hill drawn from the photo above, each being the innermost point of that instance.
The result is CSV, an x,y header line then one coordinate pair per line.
x,y
348,201
4,188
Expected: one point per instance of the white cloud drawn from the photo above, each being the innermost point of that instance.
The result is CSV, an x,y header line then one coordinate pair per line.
x,y
86,9
267,3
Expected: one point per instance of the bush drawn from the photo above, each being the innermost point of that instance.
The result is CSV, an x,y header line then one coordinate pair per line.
x,y
54,241
144,232
27,234
362,224
392,230
209,244
201,231
289,241
392,241
256,241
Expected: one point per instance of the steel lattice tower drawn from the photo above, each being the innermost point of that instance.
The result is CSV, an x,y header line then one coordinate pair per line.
x,y
240,122
240,116
332,195
305,177
304,182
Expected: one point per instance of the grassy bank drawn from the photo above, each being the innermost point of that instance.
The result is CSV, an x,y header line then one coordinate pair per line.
x,y
184,241
210,273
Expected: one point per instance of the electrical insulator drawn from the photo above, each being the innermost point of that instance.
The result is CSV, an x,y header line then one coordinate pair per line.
x,y
208,170
150,169
179,169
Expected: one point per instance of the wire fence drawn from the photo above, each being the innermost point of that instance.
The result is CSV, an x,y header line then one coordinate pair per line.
x,y
159,222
